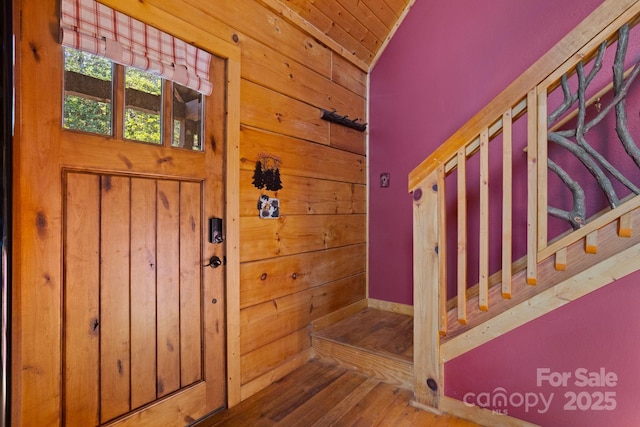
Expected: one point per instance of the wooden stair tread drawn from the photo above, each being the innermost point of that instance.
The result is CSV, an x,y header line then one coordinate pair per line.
x,y
378,331
376,343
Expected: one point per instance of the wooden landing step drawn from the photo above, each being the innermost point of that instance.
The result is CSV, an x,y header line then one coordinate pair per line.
x,y
376,343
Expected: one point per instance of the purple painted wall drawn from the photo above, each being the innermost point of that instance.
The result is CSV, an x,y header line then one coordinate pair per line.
x,y
567,351
448,60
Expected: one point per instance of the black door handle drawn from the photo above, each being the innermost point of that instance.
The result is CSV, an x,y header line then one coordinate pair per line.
x,y
214,262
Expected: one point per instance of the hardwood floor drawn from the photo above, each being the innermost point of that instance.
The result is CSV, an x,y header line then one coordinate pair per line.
x,y
331,392
319,394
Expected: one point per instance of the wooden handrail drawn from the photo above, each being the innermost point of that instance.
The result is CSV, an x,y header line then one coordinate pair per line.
x,y
569,46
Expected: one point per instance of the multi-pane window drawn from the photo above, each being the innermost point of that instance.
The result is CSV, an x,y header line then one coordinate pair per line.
x,y
91,91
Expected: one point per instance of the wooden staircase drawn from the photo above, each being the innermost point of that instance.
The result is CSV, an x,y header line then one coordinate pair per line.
x,y
551,99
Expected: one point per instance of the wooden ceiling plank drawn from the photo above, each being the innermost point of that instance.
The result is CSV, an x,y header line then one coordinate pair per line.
x,y
397,6
342,18
380,9
366,16
309,12
347,22
350,44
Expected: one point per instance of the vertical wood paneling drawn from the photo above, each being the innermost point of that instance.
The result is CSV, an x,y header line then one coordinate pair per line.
x,y
483,277
168,287
507,202
81,300
190,279
143,291
114,298
462,236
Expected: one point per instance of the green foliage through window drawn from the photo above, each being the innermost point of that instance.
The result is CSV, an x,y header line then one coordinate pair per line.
x,y
143,104
88,92
87,115
142,126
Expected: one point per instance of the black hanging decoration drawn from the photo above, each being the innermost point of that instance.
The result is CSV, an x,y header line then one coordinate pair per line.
x,y
268,178
258,178
277,183
331,116
267,173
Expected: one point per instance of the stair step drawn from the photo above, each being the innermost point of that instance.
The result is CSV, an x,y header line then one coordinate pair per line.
x,y
378,365
374,342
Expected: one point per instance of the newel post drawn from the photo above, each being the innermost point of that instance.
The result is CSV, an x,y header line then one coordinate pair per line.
x,y
428,372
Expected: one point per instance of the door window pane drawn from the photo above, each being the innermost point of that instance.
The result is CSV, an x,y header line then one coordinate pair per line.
x,y
187,118
143,104
88,92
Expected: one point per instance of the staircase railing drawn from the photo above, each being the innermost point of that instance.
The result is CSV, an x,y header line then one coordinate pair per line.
x,y
548,109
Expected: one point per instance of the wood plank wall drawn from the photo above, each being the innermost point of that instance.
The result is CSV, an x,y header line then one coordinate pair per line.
x,y
311,261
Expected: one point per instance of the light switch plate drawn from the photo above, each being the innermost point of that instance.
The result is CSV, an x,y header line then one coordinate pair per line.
x,y
384,179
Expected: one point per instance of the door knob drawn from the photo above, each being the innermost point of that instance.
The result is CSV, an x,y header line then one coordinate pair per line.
x,y
214,262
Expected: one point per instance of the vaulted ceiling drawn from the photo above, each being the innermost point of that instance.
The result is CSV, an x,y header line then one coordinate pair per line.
x,y
357,28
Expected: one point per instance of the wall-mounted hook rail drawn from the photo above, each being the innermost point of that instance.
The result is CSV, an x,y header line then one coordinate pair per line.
x,y
331,116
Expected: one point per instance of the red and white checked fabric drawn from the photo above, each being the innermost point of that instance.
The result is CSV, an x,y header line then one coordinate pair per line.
x,y
95,28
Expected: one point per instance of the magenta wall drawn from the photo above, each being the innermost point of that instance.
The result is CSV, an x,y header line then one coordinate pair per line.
x,y
446,62
597,333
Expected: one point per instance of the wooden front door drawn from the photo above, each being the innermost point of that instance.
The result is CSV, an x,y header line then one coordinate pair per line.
x,y
117,319
133,298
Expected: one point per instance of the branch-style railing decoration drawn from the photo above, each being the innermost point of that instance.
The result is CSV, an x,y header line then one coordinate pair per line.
x,y
560,76
595,162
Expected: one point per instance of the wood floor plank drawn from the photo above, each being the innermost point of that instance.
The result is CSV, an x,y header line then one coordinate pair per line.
x,y
314,409
400,413
346,404
373,407
279,397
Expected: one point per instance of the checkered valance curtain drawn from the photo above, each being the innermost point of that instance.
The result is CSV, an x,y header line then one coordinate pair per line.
x,y
95,28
